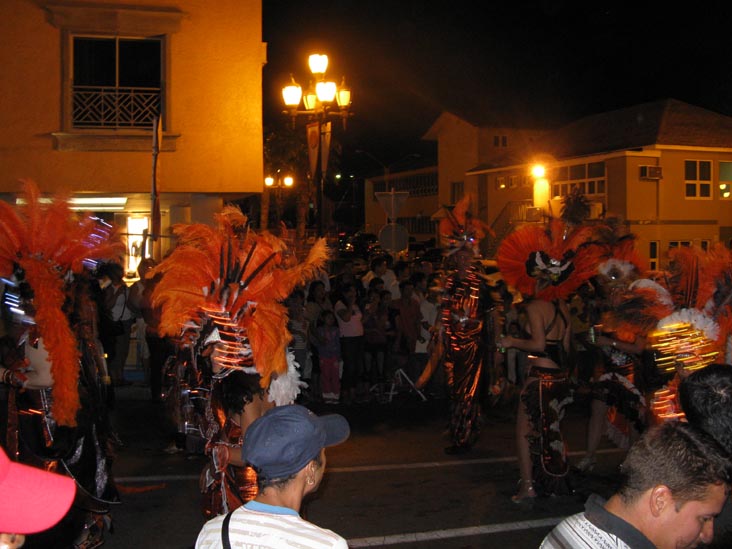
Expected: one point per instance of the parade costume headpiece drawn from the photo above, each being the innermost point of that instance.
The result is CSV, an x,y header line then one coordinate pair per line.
x,y
636,303
227,283
620,263
548,262
459,230
39,244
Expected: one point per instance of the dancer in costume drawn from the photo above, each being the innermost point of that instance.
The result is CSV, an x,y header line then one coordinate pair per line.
x,y
221,292
618,406
463,342
57,415
545,264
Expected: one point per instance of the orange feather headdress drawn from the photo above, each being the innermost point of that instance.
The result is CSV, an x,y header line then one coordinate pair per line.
x,y
460,230
548,262
39,244
231,279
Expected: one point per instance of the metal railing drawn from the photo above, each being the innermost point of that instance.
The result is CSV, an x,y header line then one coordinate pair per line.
x,y
511,215
114,107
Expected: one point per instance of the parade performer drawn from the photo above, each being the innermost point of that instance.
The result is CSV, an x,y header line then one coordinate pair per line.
x,y
697,330
220,293
546,264
618,402
57,415
463,342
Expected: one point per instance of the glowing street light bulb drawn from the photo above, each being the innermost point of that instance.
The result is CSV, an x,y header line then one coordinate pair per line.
x,y
318,63
538,171
269,181
288,181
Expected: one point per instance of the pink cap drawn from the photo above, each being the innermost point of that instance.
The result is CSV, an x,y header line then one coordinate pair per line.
x,y
31,499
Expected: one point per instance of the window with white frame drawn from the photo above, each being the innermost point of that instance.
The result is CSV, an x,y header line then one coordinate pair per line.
x,y
588,178
725,180
698,179
678,244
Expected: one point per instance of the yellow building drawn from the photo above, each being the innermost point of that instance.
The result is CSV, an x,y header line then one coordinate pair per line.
x,y
82,82
664,168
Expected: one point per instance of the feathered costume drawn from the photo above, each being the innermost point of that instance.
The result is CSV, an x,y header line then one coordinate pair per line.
x,y
465,341
222,287
44,249
625,376
39,244
548,262
696,332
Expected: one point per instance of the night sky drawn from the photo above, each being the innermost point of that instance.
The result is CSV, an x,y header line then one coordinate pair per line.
x,y
515,62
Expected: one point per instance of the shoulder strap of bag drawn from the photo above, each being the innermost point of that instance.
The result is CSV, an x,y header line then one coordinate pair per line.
x,y
226,544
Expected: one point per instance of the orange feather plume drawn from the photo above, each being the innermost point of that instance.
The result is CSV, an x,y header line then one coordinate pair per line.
x,y
236,274
47,241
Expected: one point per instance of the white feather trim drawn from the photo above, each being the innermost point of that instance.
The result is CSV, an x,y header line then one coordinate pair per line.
x,y
695,318
284,389
664,297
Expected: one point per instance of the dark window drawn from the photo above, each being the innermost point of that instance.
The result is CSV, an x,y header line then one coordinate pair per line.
x,y
504,141
578,172
596,169
705,190
496,141
117,82
690,189
705,171
690,170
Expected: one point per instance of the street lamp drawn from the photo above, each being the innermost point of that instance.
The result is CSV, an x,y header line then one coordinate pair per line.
x,y
541,187
277,182
318,104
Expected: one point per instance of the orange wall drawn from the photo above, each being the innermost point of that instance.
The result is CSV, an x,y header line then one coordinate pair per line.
x,y
215,74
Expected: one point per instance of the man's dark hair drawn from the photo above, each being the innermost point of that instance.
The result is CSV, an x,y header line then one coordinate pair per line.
x,y
405,283
311,289
400,267
417,278
706,398
377,261
677,455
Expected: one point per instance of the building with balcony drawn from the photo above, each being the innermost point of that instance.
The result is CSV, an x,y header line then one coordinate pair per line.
x,y
664,168
83,82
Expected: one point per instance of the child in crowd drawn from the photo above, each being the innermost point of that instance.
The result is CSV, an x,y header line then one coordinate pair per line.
x,y
327,339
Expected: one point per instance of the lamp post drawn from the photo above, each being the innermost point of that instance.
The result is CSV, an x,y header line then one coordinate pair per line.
x,y
541,188
277,182
318,105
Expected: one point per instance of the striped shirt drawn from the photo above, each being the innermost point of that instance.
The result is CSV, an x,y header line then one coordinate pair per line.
x,y
595,528
260,526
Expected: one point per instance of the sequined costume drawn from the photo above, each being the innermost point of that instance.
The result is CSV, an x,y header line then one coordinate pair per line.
x,y
464,308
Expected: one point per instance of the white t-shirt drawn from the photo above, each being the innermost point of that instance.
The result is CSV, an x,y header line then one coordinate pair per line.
x,y
260,526
429,312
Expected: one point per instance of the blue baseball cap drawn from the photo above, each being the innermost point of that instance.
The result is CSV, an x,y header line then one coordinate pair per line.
x,y
286,438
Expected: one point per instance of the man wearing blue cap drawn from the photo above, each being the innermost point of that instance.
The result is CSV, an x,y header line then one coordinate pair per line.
x,y
286,447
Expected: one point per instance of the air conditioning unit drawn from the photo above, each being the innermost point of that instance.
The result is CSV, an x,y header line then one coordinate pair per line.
x,y
651,172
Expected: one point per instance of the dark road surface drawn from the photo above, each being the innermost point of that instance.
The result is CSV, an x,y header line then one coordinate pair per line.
x,y
389,485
